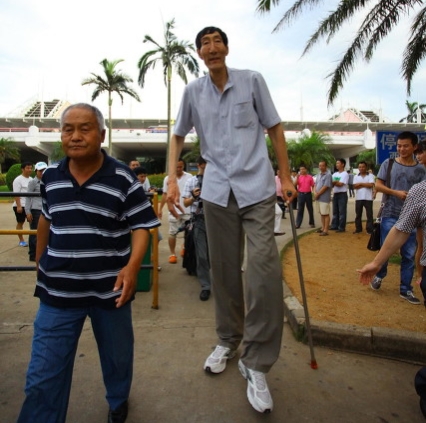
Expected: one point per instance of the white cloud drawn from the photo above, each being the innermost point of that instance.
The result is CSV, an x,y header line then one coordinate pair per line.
x,y
48,48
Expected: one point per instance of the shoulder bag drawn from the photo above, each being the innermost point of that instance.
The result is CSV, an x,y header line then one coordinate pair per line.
x,y
374,241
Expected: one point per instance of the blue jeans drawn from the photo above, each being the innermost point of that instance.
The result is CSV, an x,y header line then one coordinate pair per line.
x,y
340,204
408,251
56,335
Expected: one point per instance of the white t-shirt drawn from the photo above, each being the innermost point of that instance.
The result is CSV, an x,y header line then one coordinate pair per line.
x,y
364,193
20,184
341,177
181,184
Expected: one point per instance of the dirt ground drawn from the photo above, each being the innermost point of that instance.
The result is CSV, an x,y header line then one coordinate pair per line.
x,y
333,291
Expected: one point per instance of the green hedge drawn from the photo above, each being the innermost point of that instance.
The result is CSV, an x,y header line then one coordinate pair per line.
x,y
2,179
157,179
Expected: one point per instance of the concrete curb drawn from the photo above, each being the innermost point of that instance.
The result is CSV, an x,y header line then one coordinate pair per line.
x,y
381,342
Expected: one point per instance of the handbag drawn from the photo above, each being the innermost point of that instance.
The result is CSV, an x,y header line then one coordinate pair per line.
x,y
374,241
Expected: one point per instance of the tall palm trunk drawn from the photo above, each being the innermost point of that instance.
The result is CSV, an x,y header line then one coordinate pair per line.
x,y
109,125
169,113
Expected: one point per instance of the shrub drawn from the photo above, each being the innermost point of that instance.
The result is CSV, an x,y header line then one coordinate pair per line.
x,y
2,179
12,173
157,179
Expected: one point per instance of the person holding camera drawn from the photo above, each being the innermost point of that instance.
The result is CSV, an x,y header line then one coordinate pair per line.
x,y
191,199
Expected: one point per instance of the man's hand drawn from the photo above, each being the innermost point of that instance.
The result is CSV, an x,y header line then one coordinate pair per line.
x,y
402,195
173,197
126,280
29,217
367,273
288,189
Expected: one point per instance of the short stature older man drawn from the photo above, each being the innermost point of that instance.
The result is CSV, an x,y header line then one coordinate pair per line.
x,y
93,209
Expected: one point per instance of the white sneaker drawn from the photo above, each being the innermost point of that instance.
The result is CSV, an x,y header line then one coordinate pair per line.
x,y
216,361
257,389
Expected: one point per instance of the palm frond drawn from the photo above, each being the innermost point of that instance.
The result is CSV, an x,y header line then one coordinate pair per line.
x,y
415,51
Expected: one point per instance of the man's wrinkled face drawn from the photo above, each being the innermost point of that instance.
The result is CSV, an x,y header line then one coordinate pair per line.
x,y
213,51
80,134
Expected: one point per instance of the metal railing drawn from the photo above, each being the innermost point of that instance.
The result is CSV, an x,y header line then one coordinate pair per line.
x,y
153,266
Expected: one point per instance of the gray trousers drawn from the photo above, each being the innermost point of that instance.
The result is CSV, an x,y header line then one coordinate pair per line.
x,y
253,312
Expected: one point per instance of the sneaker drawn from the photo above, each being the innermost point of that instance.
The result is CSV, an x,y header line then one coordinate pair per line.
x,y
409,296
257,389
23,244
376,283
216,361
173,259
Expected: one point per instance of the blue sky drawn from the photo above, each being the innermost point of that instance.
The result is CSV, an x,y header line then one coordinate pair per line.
x,y
48,47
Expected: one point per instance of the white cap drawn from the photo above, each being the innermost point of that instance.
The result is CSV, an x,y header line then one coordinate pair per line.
x,y
40,166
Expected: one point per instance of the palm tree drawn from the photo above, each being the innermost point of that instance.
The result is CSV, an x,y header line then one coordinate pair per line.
x,y
57,152
369,157
8,151
309,150
113,81
382,16
413,109
192,156
173,55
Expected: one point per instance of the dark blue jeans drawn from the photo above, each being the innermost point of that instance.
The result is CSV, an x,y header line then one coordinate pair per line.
x,y
56,335
340,205
407,251
304,198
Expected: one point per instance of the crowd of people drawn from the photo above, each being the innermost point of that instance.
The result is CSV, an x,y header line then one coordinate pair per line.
x,y
94,219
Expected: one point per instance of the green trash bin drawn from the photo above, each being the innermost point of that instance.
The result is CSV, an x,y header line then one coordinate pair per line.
x,y
144,281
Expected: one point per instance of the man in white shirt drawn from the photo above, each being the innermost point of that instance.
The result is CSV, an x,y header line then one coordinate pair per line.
x,y
20,184
177,221
340,197
363,184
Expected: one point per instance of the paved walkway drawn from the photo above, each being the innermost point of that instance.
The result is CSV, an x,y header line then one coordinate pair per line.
x,y
171,346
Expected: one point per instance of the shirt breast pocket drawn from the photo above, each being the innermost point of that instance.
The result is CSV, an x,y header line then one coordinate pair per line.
x,y
243,114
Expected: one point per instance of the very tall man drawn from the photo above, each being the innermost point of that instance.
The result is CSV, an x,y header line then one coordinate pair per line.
x,y
230,109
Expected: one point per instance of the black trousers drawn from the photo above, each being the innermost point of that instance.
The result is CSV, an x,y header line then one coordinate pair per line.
x,y
359,205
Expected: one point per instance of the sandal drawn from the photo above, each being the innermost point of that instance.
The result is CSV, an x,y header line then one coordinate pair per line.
x,y
323,234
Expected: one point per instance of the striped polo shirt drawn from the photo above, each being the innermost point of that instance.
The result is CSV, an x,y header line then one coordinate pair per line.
x,y
90,230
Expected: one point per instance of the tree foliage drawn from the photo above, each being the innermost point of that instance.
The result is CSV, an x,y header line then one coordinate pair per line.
x,y
8,150
381,17
113,81
415,110
309,150
174,55
369,157
193,155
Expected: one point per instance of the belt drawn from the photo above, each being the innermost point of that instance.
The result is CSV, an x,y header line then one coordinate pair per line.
x,y
304,192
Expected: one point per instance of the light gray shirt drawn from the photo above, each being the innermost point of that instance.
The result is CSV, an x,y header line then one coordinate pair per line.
x,y
33,202
324,179
230,126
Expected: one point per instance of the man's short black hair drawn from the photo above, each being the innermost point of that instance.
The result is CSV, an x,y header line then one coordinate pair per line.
x,y
362,162
210,30
407,135
25,164
139,170
422,146
201,160
343,161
